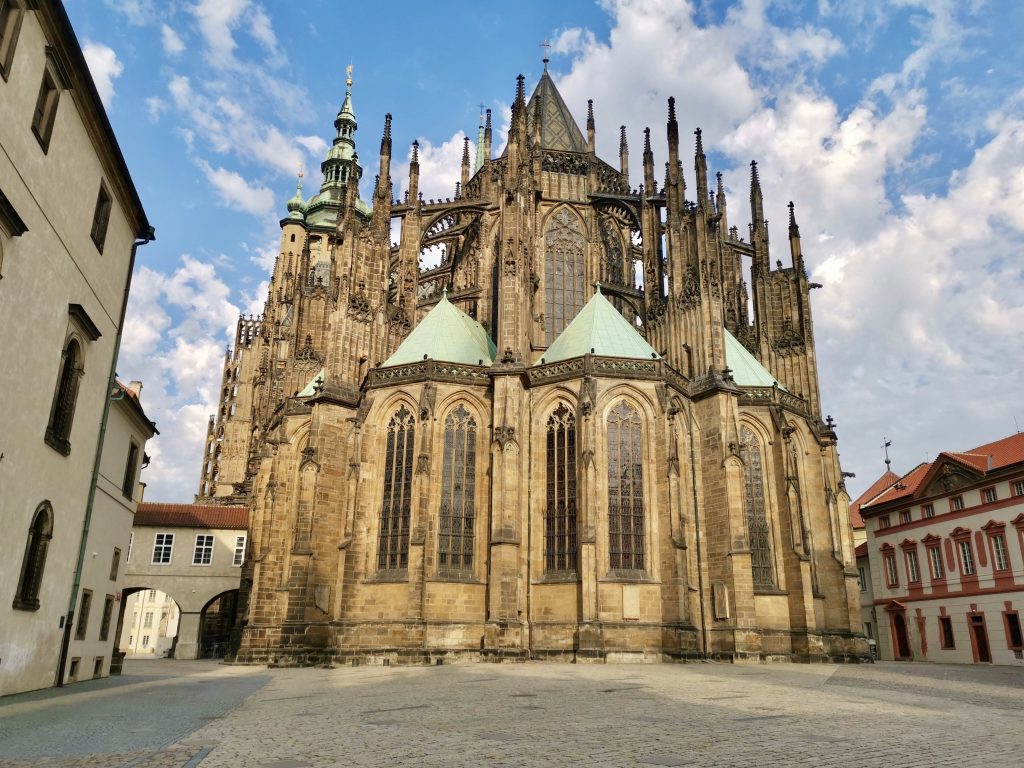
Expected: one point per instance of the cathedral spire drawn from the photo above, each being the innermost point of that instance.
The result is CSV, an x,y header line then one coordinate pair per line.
x,y
794,240
341,162
414,173
590,126
648,162
478,162
700,164
465,162
623,153
720,206
756,201
384,177
487,136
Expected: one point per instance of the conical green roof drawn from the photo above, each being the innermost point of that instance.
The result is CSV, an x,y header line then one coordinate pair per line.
x,y
447,334
599,329
746,370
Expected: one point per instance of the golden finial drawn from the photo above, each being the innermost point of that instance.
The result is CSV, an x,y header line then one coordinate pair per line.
x,y
348,76
301,171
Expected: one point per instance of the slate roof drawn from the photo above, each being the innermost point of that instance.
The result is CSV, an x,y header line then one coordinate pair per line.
x,y
446,334
747,371
558,129
155,513
599,329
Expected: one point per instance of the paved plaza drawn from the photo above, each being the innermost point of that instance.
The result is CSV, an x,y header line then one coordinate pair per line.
x,y
167,713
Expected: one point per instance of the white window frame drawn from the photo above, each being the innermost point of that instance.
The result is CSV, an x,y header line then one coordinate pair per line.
x,y
966,557
892,578
913,567
1018,488
147,620
956,503
927,510
989,496
162,541
938,570
131,540
238,558
202,554
1000,555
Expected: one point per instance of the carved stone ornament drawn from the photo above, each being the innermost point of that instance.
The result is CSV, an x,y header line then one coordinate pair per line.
x,y
423,464
307,352
690,295
359,305
428,395
588,395
503,435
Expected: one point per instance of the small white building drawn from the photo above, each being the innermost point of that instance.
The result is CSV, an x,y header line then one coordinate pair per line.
x,y
946,550
194,554
150,625
70,224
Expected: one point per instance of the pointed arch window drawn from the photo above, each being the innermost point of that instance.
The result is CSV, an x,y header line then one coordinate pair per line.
x,y
458,488
758,533
393,542
564,272
625,489
39,534
62,413
560,536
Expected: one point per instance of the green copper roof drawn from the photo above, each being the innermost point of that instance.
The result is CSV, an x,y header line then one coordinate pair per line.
x,y
310,389
599,329
746,370
296,206
447,334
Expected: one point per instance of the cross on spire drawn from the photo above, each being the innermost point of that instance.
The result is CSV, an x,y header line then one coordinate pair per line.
x,y
546,45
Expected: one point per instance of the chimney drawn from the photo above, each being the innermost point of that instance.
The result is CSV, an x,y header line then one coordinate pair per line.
x,y
135,387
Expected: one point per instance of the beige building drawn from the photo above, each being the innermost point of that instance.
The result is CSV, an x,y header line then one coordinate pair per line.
x,y
524,451
192,553
150,625
70,222
946,549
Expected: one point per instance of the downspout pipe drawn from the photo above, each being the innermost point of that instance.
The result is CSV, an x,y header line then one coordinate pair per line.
x,y
146,237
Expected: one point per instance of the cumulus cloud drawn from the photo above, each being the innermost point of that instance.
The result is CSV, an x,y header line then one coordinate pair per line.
x,y
171,41
105,67
238,193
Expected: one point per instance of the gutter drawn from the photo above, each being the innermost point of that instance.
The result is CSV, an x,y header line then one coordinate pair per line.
x,y
112,386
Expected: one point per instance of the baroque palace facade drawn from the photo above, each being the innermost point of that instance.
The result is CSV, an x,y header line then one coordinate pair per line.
x,y
529,450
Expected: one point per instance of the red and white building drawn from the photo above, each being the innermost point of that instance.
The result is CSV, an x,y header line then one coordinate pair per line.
x,y
945,544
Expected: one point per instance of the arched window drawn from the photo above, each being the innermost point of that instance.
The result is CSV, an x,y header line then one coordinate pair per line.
x,y
757,520
458,486
393,544
58,432
560,550
564,272
625,489
39,534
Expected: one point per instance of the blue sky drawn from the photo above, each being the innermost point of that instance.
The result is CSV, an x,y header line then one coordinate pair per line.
x,y
897,128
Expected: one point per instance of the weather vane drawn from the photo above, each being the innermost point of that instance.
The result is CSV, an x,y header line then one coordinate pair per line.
x,y
348,75
886,442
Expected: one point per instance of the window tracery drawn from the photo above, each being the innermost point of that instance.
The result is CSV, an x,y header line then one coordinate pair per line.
x,y
625,488
758,533
564,272
560,536
458,487
396,505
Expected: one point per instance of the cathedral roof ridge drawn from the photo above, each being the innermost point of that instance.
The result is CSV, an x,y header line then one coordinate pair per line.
x,y
599,329
446,334
558,129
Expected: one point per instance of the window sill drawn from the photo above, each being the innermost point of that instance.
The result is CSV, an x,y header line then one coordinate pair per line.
x,y
442,578
388,577
59,444
43,143
627,577
560,577
774,591
21,605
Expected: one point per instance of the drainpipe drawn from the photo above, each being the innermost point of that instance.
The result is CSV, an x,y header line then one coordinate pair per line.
x,y
696,524
146,237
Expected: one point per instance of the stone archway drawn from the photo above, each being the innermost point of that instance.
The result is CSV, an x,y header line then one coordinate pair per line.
x,y
216,622
152,628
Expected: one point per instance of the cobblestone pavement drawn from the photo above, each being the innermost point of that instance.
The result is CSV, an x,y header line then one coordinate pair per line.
x,y
528,715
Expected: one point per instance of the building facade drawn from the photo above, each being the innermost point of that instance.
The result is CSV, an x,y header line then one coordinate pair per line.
x,y
568,440
193,554
946,550
70,222
150,625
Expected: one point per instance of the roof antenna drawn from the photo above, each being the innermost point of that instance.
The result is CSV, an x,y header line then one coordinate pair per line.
x,y
1015,424
885,447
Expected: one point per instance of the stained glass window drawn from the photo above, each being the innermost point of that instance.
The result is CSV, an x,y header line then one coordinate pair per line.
x,y
625,489
560,550
564,272
458,486
757,521
393,545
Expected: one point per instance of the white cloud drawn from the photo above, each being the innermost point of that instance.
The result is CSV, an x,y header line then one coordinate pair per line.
x,y
172,42
236,192
138,12
155,106
104,67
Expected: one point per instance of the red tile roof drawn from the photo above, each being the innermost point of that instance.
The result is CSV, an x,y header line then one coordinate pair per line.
x,y
192,516
876,488
986,458
861,550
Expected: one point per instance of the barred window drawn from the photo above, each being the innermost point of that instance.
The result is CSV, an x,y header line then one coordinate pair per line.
x,y
39,534
393,544
625,488
58,431
560,551
564,272
757,520
458,486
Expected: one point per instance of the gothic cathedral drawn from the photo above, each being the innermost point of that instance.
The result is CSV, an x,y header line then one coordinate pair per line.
x,y
566,440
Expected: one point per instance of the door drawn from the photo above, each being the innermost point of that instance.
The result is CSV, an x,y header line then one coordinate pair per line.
x,y
899,625
980,640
